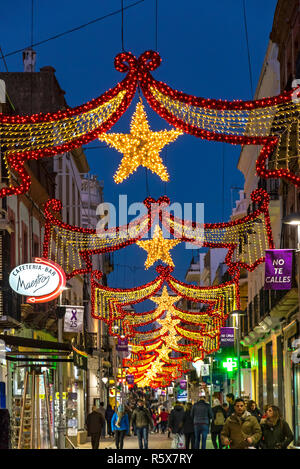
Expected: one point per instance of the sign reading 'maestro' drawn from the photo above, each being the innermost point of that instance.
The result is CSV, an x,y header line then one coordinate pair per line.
x,y
41,280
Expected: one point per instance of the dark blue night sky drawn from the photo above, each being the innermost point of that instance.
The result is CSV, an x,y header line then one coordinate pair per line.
x,y
203,50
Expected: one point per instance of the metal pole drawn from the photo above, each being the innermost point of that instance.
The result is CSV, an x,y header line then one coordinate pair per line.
x,y
211,379
60,428
238,355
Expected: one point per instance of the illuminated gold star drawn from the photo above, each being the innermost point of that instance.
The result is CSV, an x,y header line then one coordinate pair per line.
x,y
141,147
158,248
164,301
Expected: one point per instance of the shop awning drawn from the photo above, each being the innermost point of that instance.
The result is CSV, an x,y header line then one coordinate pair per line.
x,y
34,343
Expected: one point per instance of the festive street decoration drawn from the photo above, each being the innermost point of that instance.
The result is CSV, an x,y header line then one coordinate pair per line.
x,y
44,135
141,147
107,302
158,248
271,122
246,238
73,247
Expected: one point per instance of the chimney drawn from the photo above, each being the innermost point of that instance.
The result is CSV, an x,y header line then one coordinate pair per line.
x,y
29,58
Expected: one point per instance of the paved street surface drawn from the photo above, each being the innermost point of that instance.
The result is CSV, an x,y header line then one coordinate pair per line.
x,y
156,441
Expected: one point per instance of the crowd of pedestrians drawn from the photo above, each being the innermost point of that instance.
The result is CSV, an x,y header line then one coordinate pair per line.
x,y
232,425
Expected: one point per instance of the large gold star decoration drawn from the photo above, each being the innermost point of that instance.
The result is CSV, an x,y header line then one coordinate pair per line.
x,y
141,147
158,248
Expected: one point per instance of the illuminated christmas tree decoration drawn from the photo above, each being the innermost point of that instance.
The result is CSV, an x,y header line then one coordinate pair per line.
x,y
141,147
158,248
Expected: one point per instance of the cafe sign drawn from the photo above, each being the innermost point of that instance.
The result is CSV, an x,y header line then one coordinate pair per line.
x,y
41,281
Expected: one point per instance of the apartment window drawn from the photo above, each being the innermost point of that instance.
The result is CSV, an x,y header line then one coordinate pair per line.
x,y
269,366
36,246
260,380
24,243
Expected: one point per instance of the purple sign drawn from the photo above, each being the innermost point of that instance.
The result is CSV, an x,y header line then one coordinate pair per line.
x,y
182,384
130,379
227,337
122,345
278,273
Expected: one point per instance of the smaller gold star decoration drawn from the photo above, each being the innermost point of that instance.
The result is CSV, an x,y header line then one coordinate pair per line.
x,y
158,248
165,301
141,147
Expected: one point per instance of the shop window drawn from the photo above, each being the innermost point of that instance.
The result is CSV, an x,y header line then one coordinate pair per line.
x,y
280,374
260,380
269,366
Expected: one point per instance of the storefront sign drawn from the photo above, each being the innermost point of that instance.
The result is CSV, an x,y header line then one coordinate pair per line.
x,y
278,269
182,397
74,318
227,337
41,280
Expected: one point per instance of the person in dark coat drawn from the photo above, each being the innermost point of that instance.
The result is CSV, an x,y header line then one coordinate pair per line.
x,y
175,421
95,422
253,409
188,427
276,433
108,416
201,414
217,423
230,400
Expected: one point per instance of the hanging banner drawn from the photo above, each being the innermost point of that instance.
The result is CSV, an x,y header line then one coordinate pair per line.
x,y
227,337
130,379
278,269
74,318
122,345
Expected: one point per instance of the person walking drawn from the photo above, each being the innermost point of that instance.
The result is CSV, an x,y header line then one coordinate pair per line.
x,y
141,420
108,416
120,426
102,412
201,415
163,420
241,430
188,427
230,401
94,423
254,410
175,423
218,420
276,433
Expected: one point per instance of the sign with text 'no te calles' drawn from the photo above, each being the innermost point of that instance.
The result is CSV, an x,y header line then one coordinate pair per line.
x,y
278,269
41,281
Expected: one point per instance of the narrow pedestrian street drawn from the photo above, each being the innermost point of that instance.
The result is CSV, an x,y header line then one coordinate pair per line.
x,y
156,441
149,226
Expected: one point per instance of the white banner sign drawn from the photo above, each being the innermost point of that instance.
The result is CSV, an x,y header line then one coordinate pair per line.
x,y
205,370
74,319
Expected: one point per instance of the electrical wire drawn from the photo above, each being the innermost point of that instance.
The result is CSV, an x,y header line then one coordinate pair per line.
x,y
248,49
122,25
77,28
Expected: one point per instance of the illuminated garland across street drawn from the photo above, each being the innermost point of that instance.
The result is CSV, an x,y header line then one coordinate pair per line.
x,y
246,238
270,122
